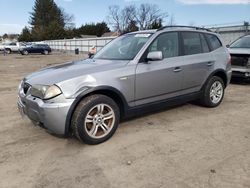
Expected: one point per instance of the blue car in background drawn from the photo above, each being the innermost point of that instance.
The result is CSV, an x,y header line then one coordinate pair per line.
x,y
36,48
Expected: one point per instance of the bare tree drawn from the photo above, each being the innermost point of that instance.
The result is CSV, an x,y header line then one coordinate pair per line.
x,y
114,17
147,14
120,19
172,20
144,17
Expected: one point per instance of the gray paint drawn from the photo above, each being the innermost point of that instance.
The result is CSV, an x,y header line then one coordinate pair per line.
x,y
139,82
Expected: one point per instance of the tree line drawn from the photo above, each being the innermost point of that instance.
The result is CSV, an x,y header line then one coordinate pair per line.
x,y
49,21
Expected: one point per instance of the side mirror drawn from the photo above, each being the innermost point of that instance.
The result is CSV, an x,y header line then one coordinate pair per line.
x,y
227,45
155,56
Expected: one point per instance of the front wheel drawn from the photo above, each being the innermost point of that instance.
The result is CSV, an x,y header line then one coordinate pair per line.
x,y
8,51
213,92
25,52
95,119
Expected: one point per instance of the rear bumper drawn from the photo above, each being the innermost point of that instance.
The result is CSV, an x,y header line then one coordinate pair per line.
x,y
51,116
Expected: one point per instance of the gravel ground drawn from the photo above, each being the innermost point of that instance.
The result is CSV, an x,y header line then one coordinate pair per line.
x,y
184,147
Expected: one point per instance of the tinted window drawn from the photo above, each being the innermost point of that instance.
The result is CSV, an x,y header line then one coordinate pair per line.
x,y
167,43
192,43
204,44
214,41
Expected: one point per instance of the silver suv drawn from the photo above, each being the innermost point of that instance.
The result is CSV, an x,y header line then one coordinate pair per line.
x,y
134,72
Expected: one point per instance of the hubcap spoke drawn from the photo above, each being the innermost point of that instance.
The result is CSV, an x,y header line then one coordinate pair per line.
x,y
100,108
89,119
104,127
93,130
108,116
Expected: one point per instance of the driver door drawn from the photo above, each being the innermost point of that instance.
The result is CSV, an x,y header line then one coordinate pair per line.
x,y
161,79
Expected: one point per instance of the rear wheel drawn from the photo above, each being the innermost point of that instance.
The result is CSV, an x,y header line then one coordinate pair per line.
x,y
95,119
213,92
45,52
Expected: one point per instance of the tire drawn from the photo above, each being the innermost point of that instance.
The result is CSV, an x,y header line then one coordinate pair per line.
x,y
25,52
8,51
212,97
45,52
95,119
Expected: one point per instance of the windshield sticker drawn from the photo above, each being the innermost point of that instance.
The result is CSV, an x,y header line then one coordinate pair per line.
x,y
144,35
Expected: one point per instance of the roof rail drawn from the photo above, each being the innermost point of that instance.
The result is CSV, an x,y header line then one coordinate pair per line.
x,y
183,26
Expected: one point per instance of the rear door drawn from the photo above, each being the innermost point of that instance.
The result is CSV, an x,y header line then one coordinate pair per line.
x,y
198,62
162,79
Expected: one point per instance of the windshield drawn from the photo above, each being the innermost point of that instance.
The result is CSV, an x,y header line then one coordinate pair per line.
x,y
124,47
243,42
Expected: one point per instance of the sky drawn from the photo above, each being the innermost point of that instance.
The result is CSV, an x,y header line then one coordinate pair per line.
x,y
14,14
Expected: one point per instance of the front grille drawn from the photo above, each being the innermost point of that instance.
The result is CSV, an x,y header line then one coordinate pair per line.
x,y
26,87
239,60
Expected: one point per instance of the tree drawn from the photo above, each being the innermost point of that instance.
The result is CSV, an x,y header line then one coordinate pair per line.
x,y
97,29
47,20
156,24
25,35
101,28
145,16
121,19
132,26
5,36
172,20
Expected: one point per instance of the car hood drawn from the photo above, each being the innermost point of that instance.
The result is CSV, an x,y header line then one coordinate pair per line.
x,y
239,50
56,74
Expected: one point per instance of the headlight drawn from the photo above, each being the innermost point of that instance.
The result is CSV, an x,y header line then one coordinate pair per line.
x,y
45,92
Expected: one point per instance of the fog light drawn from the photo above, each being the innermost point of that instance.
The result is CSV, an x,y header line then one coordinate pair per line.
x,y
247,74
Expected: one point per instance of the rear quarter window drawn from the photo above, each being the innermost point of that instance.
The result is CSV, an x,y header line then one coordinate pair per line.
x,y
214,42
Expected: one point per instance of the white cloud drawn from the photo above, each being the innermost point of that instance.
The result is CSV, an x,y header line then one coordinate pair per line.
x,y
214,1
10,28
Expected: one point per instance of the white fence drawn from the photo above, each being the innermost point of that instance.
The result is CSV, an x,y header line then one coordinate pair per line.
x,y
83,44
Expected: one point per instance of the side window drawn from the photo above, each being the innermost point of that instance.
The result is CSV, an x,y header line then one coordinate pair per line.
x,y
204,44
192,43
167,43
214,41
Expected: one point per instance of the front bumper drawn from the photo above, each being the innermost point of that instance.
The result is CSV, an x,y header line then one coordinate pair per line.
x,y
51,115
241,72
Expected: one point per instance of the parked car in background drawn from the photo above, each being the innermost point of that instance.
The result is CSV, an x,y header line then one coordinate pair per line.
x,y
13,47
1,47
36,48
137,71
240,54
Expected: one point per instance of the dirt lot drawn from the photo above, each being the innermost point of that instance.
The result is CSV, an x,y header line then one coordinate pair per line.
x,y
187,146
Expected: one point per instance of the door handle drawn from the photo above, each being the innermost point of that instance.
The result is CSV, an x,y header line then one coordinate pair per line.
x,y
210,63
177,69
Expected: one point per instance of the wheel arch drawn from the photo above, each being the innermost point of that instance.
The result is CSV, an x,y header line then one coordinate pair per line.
x,y
220,73
111,92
